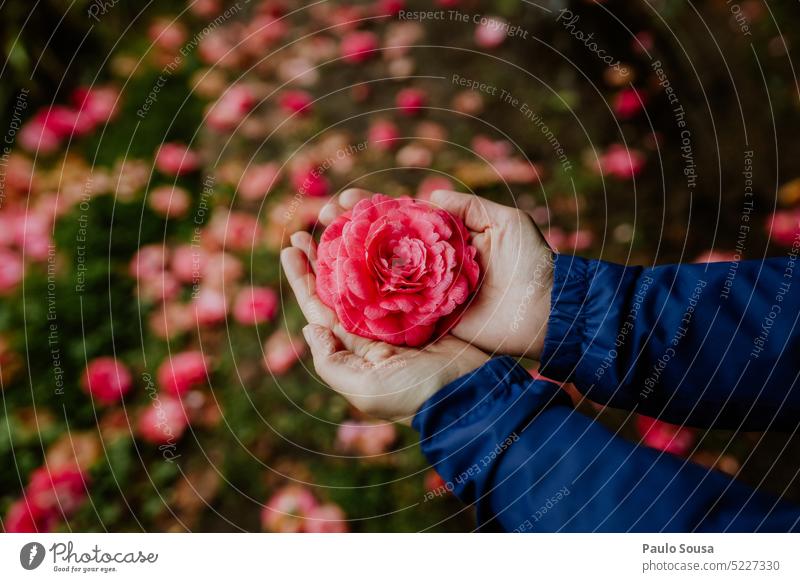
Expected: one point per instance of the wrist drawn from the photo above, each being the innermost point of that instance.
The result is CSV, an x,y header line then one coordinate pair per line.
x,y
541,289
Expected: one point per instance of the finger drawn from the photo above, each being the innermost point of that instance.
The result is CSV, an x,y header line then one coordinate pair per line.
x,y
336,365
476,212
304,285
305,242
341,204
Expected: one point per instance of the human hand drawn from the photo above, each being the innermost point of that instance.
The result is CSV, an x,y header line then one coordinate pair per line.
x,y
510,311
380,379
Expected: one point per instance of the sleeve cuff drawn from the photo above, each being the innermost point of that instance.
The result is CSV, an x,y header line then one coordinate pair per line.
x,y
566,326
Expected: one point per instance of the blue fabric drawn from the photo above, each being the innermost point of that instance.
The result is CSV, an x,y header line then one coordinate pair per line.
x,y
515,448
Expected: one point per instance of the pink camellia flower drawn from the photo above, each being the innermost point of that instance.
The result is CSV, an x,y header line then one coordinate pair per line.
x,y
287,508
359,46
258,180
169,201
221,270
176,159
783,227
97,104
237,231
36,137
411,101
254,305
629,102
621,162
296,101
163,421
210,306
366,438
383,134
177,374
310,182
491,32
231,108
107,380
12,270
167,34
282,351
149,261
25,517
188,263
327,518
396,270
666,437
57,490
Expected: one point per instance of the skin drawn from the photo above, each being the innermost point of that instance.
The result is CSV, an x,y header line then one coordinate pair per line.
x,y
508,315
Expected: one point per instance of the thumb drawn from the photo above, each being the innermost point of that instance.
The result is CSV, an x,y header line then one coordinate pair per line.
x,y
476,212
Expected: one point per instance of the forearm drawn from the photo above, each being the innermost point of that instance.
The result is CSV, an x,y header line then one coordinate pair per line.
x,y
515,448
711,344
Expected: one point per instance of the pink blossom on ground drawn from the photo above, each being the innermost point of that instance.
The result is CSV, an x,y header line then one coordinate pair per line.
x,y
149,261
181,372
57,490
783,227
209,306
296,101
255,305
25,517
97,104
411,101
188,263
235,230
310,182
716,256
231,108
12,270
629,102
431,184
359,46
222,270
107,380
621,162
383,135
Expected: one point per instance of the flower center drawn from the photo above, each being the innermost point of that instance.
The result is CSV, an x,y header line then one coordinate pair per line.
x,y
401,265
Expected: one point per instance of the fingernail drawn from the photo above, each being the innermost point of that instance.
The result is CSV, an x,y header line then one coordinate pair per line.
x,y
295,238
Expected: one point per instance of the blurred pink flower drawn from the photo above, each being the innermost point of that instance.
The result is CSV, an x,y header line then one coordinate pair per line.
x,y
629,102
210,306
167,34
296,101
36,137
255,305
176,159
180,372
25,517
432,183
783,227
162,286
163,421
258,180
390,7
231,108
107,380
715,256
205,8
359,46
169,201
366,438
491,149
282,351
286,509
383,134
580,240
149,261
327,518
12,270
491,32
621,162
235,230
57,490
411,101
97,104
188,263
663,436
310,182
222,270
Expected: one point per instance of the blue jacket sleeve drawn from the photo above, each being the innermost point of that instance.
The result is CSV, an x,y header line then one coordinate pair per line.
x,y
515,448
713,345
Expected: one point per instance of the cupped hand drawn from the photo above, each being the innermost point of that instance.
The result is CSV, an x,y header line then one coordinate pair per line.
x,y
510,310
382,380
